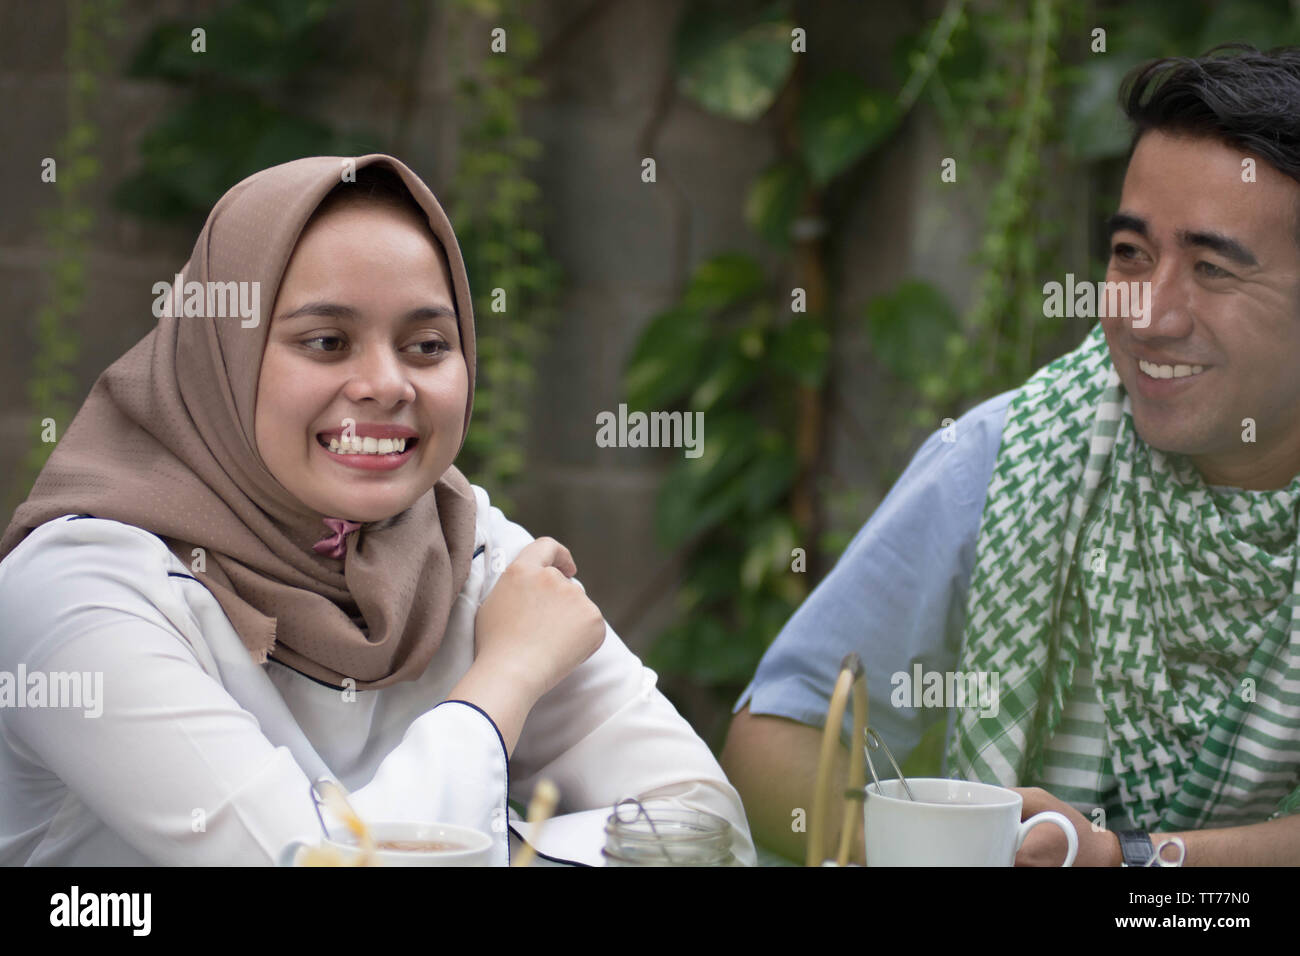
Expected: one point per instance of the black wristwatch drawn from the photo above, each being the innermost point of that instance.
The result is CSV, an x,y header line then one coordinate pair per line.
x,y
1136,846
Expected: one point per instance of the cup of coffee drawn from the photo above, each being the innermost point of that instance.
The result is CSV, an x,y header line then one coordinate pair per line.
x,y
951,823
407,844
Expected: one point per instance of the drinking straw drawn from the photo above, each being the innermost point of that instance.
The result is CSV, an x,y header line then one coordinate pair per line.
x,y
335,798
540,808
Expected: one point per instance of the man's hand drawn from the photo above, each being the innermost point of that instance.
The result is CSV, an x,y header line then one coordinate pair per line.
x,y
1046,846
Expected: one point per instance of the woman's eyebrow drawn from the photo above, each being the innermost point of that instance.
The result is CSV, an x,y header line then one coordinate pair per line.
x,y
335,310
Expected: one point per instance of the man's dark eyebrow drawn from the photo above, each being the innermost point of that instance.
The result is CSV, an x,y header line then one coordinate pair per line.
x,y
1125,221
334,310
1225,246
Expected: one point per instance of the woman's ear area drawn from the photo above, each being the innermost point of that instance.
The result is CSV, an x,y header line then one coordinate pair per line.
x,y
260,407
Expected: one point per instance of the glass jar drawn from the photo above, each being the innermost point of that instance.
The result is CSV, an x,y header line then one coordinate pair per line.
x,y
640,836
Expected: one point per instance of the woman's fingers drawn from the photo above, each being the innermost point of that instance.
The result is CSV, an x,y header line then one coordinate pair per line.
x,y
548,553
537,624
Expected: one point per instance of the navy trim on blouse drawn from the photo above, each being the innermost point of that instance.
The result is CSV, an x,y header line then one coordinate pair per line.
x,y
314,680
501,740
551,859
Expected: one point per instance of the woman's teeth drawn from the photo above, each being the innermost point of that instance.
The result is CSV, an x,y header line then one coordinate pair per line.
x,y
1170,371
367,446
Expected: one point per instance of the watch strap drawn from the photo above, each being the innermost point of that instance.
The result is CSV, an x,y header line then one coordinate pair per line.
x,y
1136,847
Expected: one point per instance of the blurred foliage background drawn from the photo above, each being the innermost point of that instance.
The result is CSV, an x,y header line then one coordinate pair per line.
x,y
1025,101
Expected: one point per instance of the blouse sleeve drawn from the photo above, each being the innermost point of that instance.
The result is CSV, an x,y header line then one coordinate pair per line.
x,y
605,732
166,757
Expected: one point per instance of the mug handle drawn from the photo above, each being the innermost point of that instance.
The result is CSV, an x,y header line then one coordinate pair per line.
x,y
1062,821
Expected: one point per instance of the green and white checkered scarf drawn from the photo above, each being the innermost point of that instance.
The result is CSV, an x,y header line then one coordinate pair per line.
x,y
1187,595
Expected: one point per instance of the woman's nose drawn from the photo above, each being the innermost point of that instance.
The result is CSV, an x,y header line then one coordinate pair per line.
x,y
379,374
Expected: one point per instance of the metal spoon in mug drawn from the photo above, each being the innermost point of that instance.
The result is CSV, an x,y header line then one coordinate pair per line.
x,y
875,742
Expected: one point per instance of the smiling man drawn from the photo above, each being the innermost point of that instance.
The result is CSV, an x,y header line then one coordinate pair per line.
x,y
1117,539
1224,266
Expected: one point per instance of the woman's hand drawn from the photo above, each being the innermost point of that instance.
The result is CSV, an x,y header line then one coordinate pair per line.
x,y
537,624
533,629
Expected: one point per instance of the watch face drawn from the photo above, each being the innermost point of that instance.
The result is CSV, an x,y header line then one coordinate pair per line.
x,y
1136,847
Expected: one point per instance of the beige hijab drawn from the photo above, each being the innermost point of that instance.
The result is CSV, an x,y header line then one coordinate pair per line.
x,y
165,442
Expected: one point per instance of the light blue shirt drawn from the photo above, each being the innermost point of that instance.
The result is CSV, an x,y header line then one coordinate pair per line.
x,y
897,596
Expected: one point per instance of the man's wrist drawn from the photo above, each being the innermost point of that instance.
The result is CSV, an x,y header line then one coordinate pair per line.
x,y
1116,854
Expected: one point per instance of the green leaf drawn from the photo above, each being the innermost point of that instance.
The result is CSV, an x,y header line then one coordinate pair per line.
x,y
770,475
680,353
729,378
733,66
909,327
775,199
840,121
767,548
667,359
209,142
701,493
722,281
802,350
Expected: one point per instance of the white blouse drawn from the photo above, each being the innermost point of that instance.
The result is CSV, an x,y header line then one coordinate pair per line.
x,y
189,753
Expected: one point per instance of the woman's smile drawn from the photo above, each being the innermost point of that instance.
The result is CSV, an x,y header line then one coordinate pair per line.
x,y
369,452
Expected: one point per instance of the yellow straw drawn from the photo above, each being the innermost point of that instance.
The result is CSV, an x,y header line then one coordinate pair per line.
x,y
540,808
333,797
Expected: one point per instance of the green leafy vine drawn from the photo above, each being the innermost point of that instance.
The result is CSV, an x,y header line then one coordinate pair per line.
x,y
496,209
67,227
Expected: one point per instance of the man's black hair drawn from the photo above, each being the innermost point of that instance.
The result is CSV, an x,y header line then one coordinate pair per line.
x,y
1234,93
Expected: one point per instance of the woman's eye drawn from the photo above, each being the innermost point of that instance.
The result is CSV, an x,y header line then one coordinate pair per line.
x,y
429,347
439,347
323,338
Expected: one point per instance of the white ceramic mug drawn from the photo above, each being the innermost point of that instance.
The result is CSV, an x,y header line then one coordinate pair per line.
x,y
951,823
473,847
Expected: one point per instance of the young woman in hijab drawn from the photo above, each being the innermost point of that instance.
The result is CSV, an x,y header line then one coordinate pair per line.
x,y
244,602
